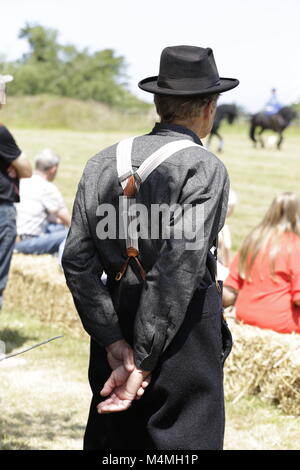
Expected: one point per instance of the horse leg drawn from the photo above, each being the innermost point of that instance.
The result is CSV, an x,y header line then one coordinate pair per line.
x,y
280,141
260,138
221,142
252,133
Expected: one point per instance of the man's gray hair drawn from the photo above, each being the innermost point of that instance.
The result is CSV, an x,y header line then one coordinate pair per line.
x,y
46,159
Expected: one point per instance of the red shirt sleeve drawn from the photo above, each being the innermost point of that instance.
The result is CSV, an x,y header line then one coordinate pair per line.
x,y
294,268
233,279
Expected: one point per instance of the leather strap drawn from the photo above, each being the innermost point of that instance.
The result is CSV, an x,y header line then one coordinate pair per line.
x,y
132,253
131,182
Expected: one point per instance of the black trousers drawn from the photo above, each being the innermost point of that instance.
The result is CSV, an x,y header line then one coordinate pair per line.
x,y
183,406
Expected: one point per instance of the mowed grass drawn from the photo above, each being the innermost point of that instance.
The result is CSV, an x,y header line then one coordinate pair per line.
x,y
257,175
44,394
75,149
45,397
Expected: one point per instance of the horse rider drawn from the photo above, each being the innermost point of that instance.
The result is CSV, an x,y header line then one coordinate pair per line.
x,y
273,105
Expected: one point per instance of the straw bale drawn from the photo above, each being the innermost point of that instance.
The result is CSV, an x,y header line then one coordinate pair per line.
x,y
264,363
37,286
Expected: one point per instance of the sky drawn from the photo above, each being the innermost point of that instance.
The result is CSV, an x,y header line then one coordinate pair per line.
x,y
255,41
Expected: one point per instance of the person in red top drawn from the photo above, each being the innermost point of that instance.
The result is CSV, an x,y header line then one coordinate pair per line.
x,y
264,277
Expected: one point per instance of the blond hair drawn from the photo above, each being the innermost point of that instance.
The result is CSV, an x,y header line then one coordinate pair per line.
x,y
283,216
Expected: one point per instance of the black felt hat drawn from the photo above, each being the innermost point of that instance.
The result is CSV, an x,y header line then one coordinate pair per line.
x,y
187,71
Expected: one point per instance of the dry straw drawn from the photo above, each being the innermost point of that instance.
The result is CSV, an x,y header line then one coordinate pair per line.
x,y
264,363
37,286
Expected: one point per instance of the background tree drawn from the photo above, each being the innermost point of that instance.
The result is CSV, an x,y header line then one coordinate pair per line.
x,y
53,68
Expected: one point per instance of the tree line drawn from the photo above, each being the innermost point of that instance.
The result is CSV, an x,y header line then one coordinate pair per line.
x,y
57,69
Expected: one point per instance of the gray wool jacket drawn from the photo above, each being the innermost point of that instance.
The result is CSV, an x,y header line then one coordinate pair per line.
x,y
190,176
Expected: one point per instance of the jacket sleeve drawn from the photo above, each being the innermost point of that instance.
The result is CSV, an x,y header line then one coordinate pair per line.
x,y
172,281
83,270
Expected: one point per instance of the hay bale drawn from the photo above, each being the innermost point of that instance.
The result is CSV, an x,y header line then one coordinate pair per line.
x,y
37,286
264,363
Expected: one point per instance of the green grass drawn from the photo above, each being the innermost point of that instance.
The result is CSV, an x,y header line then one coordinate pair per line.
x,y
254,425
44,396
57,112
257,175
75,148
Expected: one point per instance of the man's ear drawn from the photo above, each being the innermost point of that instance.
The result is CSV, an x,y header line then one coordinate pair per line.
x,y
212,107
208,110
53,170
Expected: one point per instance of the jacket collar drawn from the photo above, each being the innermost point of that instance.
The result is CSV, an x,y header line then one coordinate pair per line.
x,y
165,128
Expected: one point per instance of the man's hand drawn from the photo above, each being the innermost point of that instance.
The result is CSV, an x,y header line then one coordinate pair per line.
x,y
12,172
126,383
120,353
64,216
122,393
229,296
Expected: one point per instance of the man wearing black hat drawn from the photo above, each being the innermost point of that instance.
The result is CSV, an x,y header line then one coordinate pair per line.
x,y
158,337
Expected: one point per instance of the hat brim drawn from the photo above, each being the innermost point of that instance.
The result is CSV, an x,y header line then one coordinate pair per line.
x,y
150,85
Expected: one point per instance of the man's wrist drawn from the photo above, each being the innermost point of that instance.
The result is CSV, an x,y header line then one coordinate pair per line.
x,y
112,346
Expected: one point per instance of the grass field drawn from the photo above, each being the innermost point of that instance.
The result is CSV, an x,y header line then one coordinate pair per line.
x,y
44,395
257,175
58,112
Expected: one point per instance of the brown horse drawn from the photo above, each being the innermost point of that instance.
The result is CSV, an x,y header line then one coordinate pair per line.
x,y
276,122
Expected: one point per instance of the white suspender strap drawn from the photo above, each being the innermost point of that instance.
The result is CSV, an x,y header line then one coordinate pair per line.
x,y
124,169
124,166
160,156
